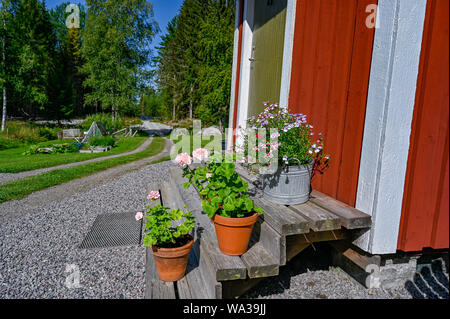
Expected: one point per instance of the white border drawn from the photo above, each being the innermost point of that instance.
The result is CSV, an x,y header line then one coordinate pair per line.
x,y
390,105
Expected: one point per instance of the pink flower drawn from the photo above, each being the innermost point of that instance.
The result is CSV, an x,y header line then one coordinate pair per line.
x,y
268,155
208,175
183,159
274,135
200,154
153,195
274,146
139,215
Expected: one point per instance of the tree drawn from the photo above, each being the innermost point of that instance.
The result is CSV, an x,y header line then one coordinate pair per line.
x,y
116,50
66,87
194,61
32,43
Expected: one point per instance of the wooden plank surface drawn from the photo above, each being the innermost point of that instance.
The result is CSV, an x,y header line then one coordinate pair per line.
x,y
351,218
320,218
273,242
259,262
282,219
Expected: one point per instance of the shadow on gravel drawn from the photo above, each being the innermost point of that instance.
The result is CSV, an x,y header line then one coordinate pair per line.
x,y
431,282
308,260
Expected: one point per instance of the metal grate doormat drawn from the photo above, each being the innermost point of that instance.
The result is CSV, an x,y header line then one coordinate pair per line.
x,y
112,230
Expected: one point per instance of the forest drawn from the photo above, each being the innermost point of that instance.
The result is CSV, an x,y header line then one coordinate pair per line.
x,y
72,61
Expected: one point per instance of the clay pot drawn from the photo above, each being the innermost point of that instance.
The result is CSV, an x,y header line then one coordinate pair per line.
x,y
171,262
233,234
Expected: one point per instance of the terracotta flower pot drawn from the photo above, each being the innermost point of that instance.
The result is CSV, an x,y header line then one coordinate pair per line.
x,y
233,234
171,262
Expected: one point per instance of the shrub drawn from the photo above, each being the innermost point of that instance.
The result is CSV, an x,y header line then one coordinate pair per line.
x,y
52,149
103,141
6,143
47,133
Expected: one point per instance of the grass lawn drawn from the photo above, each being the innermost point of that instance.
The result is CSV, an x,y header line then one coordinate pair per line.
x,y
12,160
23,187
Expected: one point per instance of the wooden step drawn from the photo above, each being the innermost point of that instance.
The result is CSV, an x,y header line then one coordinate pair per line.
x,y
351,218
282,219
225,267
259,262
320,219
230,267
154,287
198,282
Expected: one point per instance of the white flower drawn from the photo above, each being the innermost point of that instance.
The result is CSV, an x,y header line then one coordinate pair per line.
x,y
139,215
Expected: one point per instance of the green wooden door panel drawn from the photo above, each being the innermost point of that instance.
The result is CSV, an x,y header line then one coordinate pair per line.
x,y
267,53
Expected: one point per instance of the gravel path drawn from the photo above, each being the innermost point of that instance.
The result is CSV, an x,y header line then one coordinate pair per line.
x,y
37,244
8,177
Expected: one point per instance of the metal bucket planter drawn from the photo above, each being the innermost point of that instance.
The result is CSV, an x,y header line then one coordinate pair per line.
x,y
290,185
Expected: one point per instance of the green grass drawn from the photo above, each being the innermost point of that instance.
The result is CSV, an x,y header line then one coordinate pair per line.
x,y
19,189
12,160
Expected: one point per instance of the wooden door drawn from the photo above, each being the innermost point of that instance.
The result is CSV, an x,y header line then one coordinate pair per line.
x,y
267,53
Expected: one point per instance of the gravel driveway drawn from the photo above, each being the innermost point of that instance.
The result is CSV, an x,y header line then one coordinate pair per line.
x,y
37,246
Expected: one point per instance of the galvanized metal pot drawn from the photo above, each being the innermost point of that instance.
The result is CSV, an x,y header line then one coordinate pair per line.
x,y
290,185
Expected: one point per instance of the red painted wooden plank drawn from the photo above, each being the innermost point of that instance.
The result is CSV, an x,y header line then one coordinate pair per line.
x,y
424,221
356,107
332,54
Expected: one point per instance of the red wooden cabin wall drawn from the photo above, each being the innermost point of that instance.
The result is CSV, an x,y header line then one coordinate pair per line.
x,y
425,211
331,60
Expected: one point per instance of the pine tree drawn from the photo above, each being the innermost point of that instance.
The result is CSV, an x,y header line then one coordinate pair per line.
x,y
33,42
195,59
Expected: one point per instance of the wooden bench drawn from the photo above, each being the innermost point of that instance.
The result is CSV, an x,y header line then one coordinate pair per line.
x,y
279,235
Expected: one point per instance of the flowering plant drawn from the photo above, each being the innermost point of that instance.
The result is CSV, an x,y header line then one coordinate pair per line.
x,y
290,135
159,229
223,191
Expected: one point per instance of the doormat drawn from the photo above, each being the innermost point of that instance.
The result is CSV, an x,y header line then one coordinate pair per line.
x,y
113,230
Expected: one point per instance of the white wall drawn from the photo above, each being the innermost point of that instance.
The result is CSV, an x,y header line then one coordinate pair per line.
x,y
233,76
287,52
387,129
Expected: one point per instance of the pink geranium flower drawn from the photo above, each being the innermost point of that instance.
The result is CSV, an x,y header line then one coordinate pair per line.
x,y
139,215
183,159
208,175
200,154
153,195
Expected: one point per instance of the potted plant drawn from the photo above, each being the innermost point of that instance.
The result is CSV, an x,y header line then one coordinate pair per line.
x,y
292,148
170,244
224,199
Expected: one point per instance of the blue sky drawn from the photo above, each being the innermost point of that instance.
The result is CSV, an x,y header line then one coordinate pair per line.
x,y
164,11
